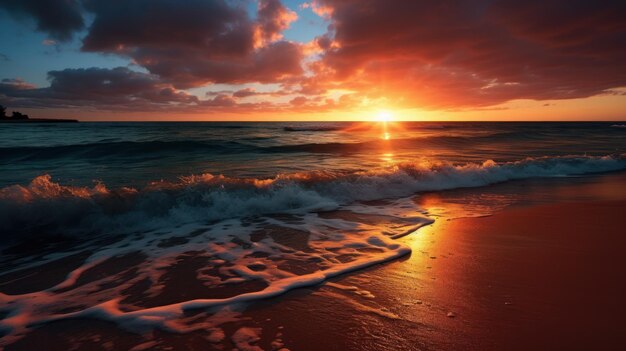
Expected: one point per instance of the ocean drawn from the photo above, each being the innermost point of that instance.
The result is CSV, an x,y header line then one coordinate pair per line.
x,y
59,175
238,212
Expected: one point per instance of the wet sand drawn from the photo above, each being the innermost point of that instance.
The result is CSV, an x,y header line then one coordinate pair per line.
x,y
543,272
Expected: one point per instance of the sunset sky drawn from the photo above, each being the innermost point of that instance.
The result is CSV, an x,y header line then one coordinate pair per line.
x,y
314,60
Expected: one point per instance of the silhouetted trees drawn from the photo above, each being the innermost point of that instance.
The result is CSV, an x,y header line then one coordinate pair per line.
x,y
14,115
18,115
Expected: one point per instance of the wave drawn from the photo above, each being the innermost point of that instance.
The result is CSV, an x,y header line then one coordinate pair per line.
x,y
434,141
44,206
313,128
618,126
355,126
114,149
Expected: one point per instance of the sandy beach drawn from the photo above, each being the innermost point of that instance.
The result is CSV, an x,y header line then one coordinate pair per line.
x,y
543,274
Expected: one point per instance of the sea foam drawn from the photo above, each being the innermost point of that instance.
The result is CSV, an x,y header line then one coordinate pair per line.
x,y
44,206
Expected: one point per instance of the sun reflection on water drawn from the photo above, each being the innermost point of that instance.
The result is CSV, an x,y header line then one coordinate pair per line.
x,y
387,157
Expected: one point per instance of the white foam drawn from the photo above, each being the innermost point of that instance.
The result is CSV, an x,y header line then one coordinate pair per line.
x,y
329,239
66,209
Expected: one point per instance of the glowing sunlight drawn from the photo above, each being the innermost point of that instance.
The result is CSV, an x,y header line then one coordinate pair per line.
x,y
384,116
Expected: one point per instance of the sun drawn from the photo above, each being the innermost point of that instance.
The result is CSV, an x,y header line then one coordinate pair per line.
x,y
384,116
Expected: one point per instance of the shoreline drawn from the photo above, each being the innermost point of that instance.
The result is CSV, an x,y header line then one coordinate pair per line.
x,y
529,276
521,277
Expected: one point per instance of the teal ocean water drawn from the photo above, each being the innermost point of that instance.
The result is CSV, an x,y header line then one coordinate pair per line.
x,y
227,170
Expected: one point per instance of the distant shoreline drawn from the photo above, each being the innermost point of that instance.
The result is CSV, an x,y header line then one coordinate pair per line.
x,y
38,120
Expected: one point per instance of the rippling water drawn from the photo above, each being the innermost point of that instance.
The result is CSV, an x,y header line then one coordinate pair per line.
x,y
132,154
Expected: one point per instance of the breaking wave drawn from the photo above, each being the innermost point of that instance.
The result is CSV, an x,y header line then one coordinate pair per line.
x,y
44,206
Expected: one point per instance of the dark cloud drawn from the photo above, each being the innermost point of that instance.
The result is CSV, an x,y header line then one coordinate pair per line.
x,y
221,100
453,53
123,26
195,44
118,89
59,18
242,93
10,84
191,67
188,44
247,92
112,89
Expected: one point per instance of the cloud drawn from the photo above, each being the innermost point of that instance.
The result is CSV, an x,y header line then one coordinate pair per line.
x,y
247,92
242,93
273,19
13,84
99,88
299,100
198,43
191,67
188,44
119,89
59,18
221,100
317,8
448,54
214,26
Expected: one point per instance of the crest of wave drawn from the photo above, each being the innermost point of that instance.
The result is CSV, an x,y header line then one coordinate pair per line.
x,y
44,206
